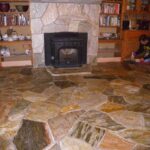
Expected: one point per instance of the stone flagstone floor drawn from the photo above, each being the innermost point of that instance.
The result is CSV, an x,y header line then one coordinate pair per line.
x,y
107,110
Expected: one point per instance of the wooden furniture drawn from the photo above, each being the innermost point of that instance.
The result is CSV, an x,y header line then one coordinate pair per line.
x,y
130,42
134,11
110,29
19,24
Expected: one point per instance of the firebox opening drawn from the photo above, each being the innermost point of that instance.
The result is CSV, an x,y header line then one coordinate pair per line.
x,y
65,49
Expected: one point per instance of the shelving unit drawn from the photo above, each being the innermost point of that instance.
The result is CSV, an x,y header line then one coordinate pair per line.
x,y
136,21
20,50
110,21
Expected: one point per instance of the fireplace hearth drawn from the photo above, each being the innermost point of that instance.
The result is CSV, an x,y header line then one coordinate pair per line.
x,y
65,49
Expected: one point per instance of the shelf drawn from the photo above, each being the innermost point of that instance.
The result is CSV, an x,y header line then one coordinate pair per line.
x,y
16,63
112,1
109,40
15,42
14,13
14,26
15,0
109,26
135,12
109,14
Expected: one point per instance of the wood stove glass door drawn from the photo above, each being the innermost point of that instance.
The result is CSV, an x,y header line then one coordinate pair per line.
x,y
68,56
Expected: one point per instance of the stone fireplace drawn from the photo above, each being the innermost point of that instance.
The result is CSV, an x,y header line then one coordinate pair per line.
x,y
54,17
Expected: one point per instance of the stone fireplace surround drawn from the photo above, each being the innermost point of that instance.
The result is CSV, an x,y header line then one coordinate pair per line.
x,y
49,16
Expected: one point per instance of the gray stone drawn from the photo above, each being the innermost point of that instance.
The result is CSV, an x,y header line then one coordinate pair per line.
x,y
38,60
101,120
50,14
32,136
38,43
117,99
55,28
37,9
87,133
36,26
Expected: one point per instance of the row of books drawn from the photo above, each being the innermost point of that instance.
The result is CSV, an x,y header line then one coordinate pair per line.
x,y
8,20
109,20
110,8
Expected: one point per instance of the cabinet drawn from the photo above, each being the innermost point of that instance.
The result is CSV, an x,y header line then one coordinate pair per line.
x,y
136,21
15,40
110,20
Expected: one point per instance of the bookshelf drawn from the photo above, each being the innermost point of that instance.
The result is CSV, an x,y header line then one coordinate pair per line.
x,y
136,21
15,35
110,20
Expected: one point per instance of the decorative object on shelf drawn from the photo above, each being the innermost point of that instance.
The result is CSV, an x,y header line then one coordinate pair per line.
x,y
111,8
107,20
4,7
22,8
14,19
131,5
5,51
5,37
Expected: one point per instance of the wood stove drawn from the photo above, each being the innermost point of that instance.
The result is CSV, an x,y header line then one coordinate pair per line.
x,y
65,49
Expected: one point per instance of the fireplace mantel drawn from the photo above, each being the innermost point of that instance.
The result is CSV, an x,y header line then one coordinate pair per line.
x,y
68,1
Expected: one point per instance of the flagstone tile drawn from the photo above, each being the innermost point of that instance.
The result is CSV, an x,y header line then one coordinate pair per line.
x,y
99,119
69,143
147,121
34,97
113,142
117,99
139,98
144,108
110,107
61,124
42,111
128,119
32,135
5,108
88,133
55,147
139,136
141,147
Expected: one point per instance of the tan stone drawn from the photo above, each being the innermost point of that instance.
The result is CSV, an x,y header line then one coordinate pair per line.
x,y
69,108
5,107
110,107
139,136
69,143
42,111
34,97
61,124
113,142
128,119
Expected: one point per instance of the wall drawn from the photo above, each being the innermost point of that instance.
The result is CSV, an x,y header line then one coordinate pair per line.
x,y
59,17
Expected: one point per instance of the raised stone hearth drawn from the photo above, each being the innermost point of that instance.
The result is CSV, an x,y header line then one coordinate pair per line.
x,y
50,17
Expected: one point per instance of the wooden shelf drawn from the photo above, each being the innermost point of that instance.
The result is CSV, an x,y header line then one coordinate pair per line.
x,y
135,12
112,1
14,13
16,63
109,40
14,26
109,14
109,26
3,43
15,0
